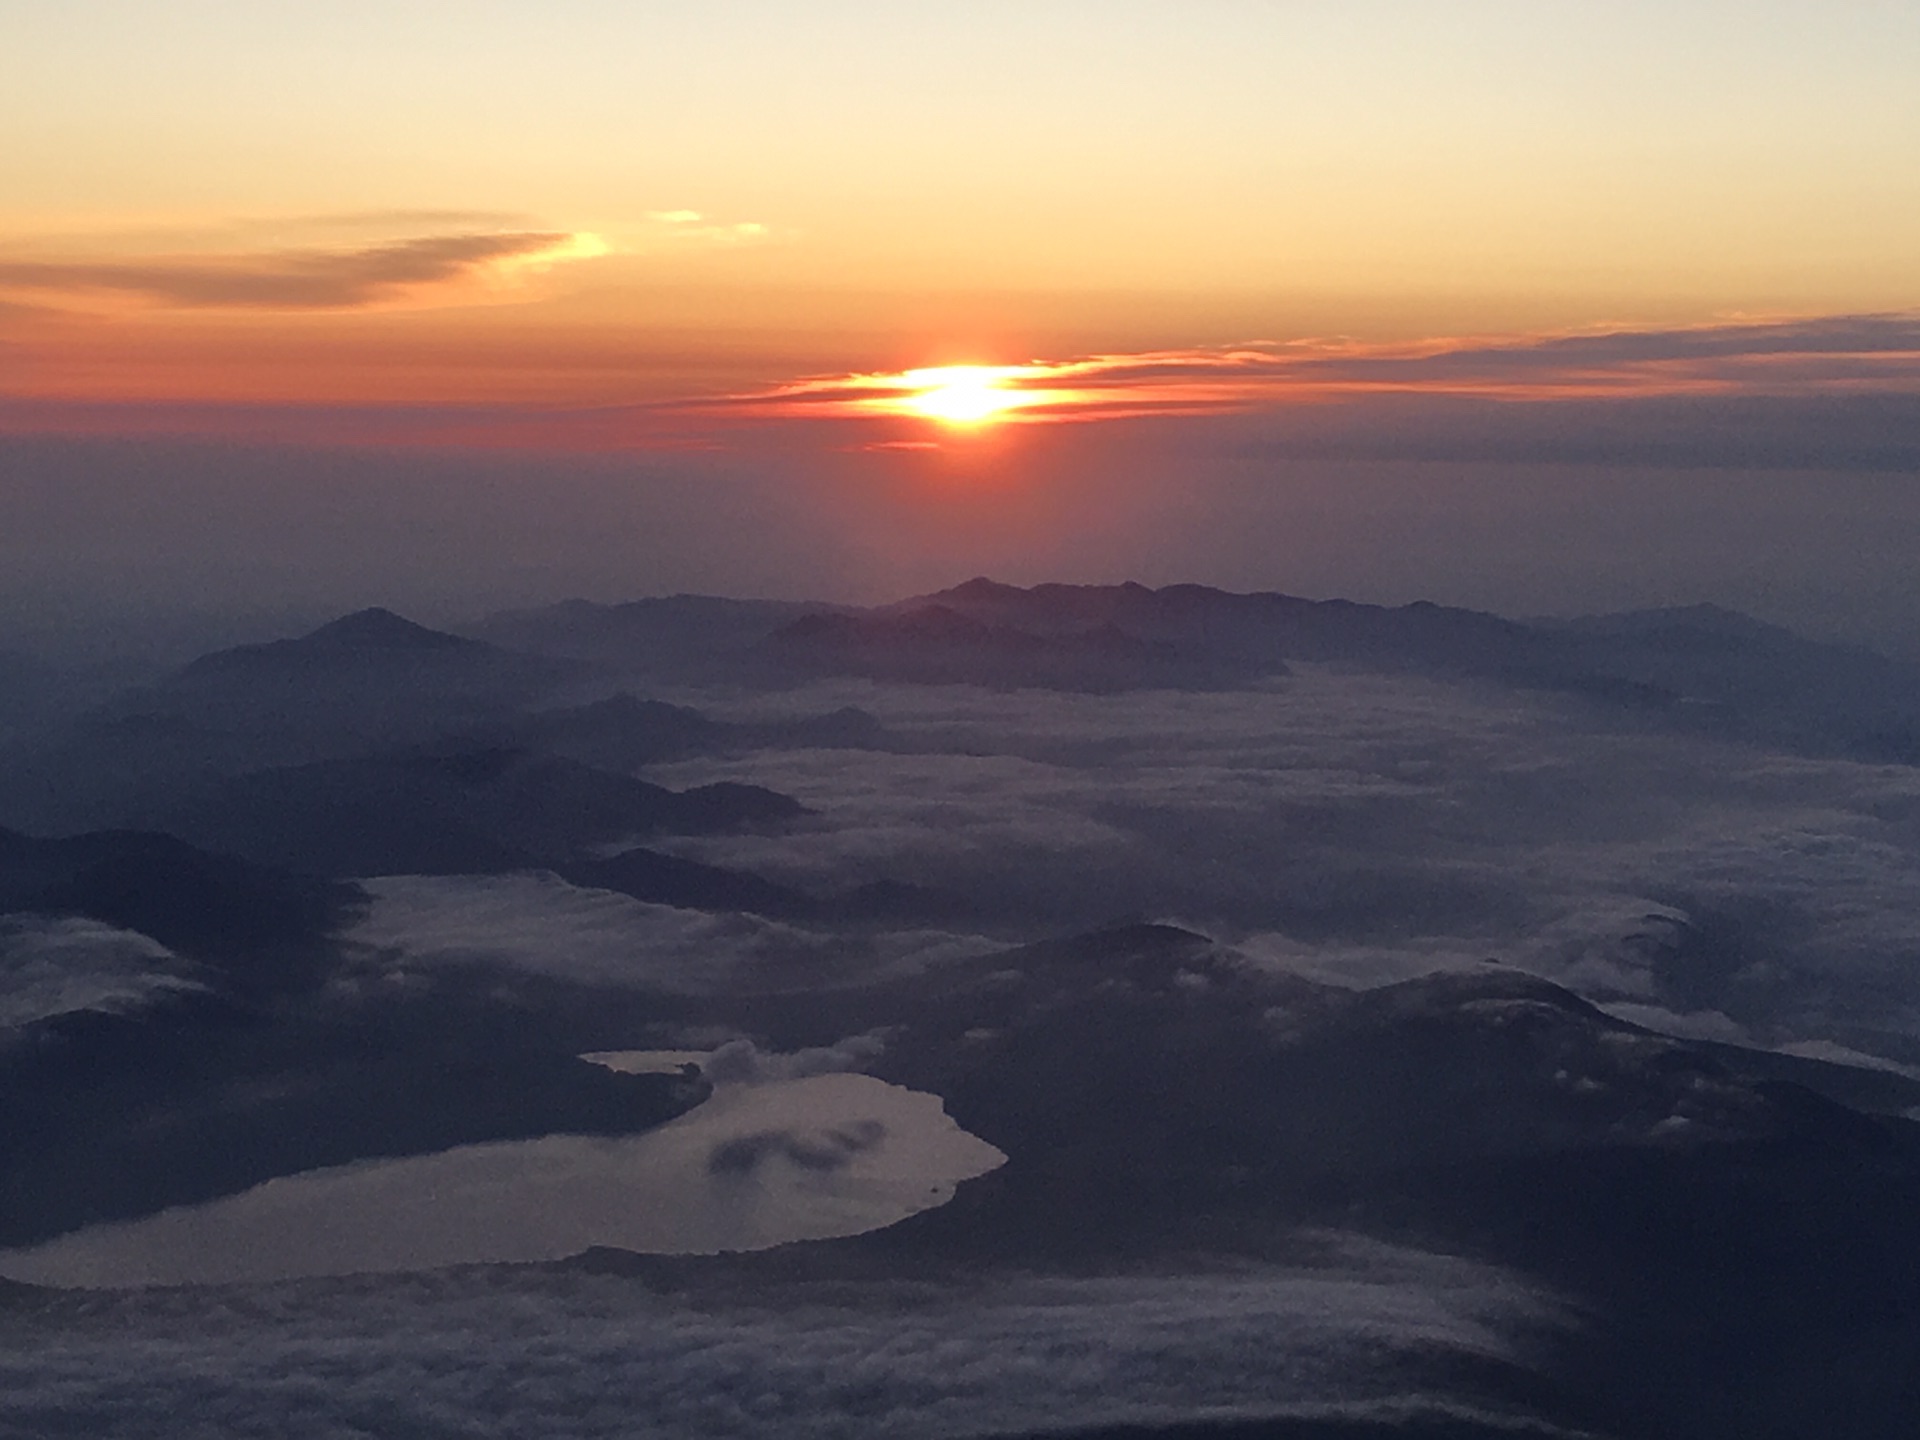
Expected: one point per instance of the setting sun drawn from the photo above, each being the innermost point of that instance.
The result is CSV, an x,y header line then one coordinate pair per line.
x,y
965,394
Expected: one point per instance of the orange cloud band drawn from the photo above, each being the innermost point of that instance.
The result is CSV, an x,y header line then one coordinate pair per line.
x,y
1838,356
1872,352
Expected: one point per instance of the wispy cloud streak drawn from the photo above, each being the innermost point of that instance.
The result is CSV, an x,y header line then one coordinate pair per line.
x,y
1837,354
310,279
1838,392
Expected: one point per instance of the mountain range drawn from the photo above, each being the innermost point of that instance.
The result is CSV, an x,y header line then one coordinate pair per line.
x,y
379,890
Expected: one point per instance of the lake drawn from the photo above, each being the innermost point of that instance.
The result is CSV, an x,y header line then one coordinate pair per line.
x,y
756,1165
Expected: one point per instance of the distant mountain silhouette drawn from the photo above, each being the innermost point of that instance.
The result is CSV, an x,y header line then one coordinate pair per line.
x,y
370,681
373,682
624,731
263,929
1729,673
1258,630
934,643
371,652
678,635
364,633
454,811
1699,668
661,879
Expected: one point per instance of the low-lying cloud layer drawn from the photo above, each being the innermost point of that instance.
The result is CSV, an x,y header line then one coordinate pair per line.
x,y
533,1355
1364,828
540,924
52,966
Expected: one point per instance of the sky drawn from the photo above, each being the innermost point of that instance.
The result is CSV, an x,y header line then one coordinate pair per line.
x,y
1247,238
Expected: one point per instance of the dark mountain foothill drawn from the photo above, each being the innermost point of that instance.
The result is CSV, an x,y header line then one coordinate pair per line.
x,y
368,682
659,879
256,1067
625,732
437,811
1161,1096
264,930
622,732
1147,1080
280,1053
110,1117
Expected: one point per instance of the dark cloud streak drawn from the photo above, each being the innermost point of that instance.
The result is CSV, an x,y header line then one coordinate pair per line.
x,y
286,280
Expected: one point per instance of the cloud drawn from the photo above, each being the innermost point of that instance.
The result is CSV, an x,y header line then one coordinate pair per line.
x,y
681,227
1373,1333
1362,828
1846,1055
1827,355
1700,1025
311,279
741,1062
829,1150
385,222
51,967
1837,393
539,924
13,313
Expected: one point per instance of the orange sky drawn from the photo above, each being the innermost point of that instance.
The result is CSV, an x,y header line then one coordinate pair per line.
x,y
424,203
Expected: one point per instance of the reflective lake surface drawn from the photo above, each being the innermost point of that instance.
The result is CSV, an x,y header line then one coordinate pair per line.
x,y
757,1165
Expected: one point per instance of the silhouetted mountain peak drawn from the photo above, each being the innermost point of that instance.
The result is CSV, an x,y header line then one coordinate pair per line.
x,y
1706,618
376,628
1447,991
980,588
372,636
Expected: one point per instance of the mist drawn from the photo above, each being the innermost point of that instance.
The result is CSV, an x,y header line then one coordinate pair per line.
x,y
158,549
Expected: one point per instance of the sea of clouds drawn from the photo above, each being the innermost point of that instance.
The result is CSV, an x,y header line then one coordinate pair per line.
x,y
540,1354
1363,827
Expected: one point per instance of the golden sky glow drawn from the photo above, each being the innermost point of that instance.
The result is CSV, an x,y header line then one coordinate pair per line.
x,y
1796,359
595,204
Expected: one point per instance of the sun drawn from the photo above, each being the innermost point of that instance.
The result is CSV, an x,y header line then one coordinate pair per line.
x,y
964,394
